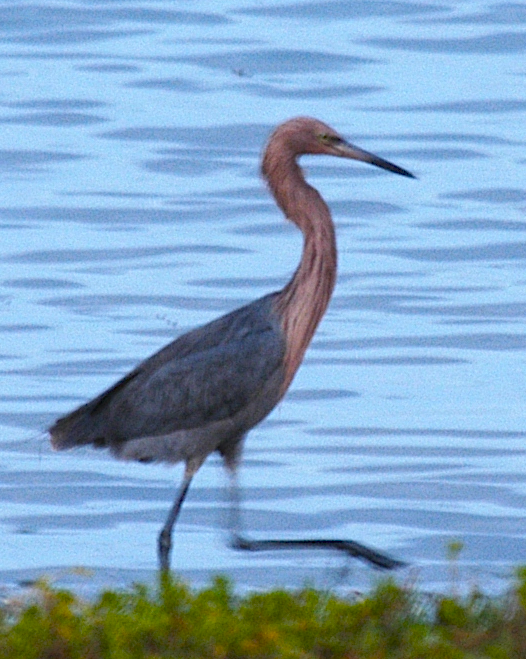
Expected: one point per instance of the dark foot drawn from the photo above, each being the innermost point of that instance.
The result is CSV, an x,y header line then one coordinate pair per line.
x,y
243,544
354,549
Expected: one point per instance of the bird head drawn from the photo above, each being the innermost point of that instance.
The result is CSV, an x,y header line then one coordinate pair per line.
x,y
305,135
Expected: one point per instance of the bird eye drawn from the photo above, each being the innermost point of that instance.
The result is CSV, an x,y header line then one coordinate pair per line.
x,y
330,140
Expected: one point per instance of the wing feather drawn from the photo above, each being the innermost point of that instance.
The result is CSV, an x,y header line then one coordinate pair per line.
x,y
207,375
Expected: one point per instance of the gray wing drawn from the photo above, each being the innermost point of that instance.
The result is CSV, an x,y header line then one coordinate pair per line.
x,y
204,376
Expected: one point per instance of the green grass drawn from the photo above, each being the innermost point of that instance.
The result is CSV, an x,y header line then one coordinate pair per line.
x,y
172,620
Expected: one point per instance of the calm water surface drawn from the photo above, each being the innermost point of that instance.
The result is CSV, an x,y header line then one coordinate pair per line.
x,y
132,210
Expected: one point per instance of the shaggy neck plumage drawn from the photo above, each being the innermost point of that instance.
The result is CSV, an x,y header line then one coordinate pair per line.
x,y
302,303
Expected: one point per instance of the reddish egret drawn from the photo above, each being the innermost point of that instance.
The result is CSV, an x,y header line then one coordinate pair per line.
x,y
204,391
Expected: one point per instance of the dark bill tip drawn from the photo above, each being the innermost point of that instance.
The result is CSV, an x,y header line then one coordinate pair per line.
x,y
350,151
391,167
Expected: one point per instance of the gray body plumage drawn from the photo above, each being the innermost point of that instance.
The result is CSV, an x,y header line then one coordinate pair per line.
x,y
199,394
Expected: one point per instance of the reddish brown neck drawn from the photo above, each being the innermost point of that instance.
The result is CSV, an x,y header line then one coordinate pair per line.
x,y
303,301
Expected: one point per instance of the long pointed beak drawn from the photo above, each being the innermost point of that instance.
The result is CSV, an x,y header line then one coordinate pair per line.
x,y
347,150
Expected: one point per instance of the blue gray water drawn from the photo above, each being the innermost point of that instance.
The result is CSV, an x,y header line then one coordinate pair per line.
x,y
132,210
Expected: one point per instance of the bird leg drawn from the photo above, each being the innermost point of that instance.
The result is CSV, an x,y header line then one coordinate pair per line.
x,y
165,536
351,548
237,540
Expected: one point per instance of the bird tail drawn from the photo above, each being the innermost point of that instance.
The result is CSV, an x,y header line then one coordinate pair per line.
x,y
82,426
88,424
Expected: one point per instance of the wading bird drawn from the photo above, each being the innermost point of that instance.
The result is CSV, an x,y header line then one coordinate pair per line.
x,y
204,391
